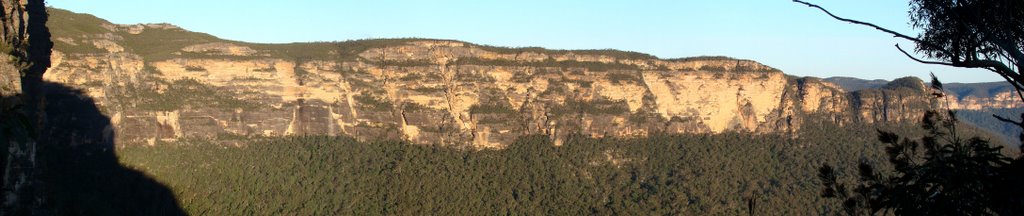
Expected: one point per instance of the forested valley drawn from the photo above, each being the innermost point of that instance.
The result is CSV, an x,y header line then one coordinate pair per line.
x,y
728,173
983,119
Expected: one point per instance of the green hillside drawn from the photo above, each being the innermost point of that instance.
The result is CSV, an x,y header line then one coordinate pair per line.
x,y
159,44
856,84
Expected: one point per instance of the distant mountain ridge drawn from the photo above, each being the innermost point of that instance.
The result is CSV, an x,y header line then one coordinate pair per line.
x,y
159,82
856,84
982,89
977,102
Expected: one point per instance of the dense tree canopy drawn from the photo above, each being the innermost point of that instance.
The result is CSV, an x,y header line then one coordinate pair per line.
x,y
972,33
942,174
660,175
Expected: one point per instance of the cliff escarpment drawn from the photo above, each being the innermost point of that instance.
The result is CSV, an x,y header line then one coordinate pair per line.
x,y
161,82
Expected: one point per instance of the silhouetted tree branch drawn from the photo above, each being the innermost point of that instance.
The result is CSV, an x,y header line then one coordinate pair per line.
x,y
969,45
949,175
894,33
983,65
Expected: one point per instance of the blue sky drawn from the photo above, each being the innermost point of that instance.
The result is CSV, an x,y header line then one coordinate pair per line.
x,y
797,39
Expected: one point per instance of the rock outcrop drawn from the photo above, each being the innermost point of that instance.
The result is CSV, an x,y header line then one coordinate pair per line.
x,y
160,82
26,46
963,96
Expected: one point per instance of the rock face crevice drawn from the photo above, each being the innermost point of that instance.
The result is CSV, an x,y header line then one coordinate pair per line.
x,y
443,92
26,49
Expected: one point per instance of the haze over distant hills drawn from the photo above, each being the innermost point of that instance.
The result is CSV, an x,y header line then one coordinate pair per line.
x,y
972,96
983,89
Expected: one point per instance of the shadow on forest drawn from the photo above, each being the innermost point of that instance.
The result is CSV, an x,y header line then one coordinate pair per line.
x,y
79,167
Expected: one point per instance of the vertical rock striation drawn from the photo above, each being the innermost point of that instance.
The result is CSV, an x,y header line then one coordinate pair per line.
x,y
437,91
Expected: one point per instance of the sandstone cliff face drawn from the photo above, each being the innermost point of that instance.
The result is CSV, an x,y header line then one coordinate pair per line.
x,y
435,92
962,96
1002,99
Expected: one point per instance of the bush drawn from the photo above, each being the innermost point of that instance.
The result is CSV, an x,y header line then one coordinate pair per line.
x,y
194,68
369,101
491,109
